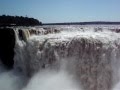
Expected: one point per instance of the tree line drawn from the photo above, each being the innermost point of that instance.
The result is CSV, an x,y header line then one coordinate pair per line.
x,y
6,20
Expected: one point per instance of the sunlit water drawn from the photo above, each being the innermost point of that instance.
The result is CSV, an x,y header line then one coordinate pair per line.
x,y
35,51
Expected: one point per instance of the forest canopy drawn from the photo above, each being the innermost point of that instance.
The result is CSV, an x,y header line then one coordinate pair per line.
x,y
6,20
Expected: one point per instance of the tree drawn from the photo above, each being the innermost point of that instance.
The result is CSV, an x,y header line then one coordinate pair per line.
x,y
6,20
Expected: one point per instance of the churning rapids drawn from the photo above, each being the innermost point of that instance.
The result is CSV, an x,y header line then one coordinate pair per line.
x,y
60,58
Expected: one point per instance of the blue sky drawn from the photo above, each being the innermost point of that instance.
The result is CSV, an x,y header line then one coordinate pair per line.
x,y
63,10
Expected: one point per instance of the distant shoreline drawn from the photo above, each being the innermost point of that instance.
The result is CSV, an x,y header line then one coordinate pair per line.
x,y
84,23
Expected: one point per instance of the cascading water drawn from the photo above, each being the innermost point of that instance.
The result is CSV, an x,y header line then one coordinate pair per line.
x,y
68,57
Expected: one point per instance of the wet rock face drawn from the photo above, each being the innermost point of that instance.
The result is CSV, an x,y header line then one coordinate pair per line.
x,y
7,43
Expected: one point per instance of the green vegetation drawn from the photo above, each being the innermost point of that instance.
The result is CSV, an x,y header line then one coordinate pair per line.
x,y
6,20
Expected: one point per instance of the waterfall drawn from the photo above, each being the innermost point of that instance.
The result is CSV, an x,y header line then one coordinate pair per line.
x,y
84,57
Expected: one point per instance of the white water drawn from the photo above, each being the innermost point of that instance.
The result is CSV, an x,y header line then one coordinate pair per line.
x,y
50,80
45,80
28,58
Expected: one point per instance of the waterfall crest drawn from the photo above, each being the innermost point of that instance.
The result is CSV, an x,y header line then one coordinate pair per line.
x,y
91,54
